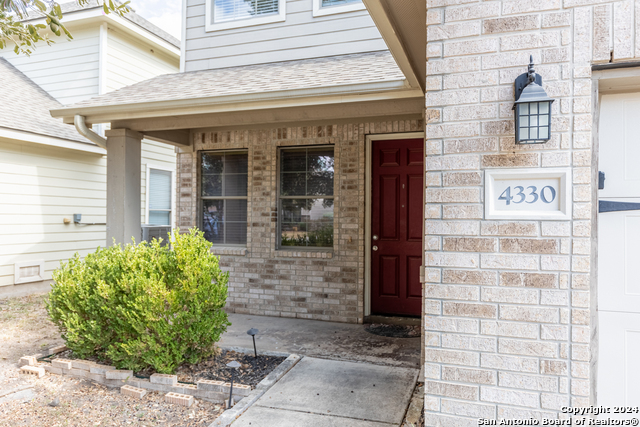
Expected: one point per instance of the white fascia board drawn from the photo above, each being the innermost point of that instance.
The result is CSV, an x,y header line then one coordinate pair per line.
x,y
244,102
97,15
392,39
35,138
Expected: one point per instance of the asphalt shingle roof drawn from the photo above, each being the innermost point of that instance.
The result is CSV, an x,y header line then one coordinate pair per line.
x,y
25,106
360,68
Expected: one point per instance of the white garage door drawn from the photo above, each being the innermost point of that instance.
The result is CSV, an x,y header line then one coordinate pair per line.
x,y
619,251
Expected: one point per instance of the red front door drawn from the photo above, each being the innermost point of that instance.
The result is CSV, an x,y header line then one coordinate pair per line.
x,y
396,226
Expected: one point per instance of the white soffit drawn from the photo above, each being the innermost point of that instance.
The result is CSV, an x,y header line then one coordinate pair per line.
x,y
402,24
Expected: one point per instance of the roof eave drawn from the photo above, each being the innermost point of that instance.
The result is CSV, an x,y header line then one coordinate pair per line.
x,y
400,37
362,92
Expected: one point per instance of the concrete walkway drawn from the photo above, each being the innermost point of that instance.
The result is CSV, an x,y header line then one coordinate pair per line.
x,y
328,340
348,377
330,393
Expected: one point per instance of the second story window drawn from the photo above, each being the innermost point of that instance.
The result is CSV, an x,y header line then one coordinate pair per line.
x,y
329,7
226,14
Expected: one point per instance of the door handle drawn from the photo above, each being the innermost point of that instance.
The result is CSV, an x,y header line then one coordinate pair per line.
x,y
374,248
607,206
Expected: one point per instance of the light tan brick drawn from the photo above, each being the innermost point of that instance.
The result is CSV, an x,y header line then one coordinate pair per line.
x,y
468,375
136,392
459,81
555,262
448,163
530,246
511,24
509,397
467,326
466,342
556,228
453,65
471,47
460,228
452,292
510,160
27,361
509,228
462,211
469,244
554,332
457,391
529,280
529,314
61,363
508,59
554,401
471,145
560,19
453,195
36,371
452,130
509,261
527,348
470,112
440,259
468,409
474,11
553,367
528,41
521,296
451,357
487,311
509,329
179,399
469,277
509,363
453,31
527,382
553,297
460,179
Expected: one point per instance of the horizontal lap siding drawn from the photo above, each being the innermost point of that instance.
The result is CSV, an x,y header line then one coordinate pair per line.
x,y
39,187
68,69
301,36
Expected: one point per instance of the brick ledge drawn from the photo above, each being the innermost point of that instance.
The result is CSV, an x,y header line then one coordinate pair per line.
x,y
303,254
228,250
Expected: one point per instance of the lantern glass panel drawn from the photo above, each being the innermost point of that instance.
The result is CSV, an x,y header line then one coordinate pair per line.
x,y
524,133
544,108
533,133
543,120
524,109
533,121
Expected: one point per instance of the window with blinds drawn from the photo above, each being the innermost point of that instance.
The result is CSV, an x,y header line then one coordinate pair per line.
x,y
159,193
235,10
224,196
306,197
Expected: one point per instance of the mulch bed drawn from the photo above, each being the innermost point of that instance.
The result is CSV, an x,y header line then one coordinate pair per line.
x,y
251,371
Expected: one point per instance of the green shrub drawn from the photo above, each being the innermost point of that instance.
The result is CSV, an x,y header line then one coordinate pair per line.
x,y
142,305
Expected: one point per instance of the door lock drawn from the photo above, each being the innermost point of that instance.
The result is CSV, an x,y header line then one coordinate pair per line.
x,y
374,248
374,237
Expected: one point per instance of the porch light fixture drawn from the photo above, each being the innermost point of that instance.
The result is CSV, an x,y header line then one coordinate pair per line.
x,y
532,109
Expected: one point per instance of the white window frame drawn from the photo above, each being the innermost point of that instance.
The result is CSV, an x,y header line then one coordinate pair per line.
x,y
318,10
173,192
240,23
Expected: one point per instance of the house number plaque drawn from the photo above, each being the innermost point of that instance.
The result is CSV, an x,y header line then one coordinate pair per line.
x,y
541,193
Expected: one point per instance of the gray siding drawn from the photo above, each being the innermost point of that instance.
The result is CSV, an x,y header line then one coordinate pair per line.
x,y
301,36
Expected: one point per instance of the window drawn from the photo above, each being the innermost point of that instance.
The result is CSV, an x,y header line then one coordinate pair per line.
x,y
330,7
306,197
226,14
224,197
159,200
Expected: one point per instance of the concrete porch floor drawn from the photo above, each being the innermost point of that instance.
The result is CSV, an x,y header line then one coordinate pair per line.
x,y
327,340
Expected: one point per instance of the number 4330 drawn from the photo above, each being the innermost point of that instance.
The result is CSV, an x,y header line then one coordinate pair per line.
x,y
547,195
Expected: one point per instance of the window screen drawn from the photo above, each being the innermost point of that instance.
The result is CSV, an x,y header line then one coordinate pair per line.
x,y
159,189
306,197
224,197
233,10
328,3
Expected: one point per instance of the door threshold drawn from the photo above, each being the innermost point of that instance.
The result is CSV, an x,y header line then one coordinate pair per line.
x,y
393,320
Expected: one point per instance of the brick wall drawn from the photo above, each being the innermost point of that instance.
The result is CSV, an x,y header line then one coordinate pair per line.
x,y
509,304
322,285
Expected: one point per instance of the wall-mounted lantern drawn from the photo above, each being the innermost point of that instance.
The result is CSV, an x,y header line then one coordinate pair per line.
x,y
532,109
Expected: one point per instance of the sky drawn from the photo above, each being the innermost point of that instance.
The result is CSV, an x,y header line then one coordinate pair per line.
x,y
166,14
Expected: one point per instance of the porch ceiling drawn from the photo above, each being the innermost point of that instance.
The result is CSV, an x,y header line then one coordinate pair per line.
x,y
402,25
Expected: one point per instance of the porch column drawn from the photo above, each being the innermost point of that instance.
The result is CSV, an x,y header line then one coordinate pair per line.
x,y
123,186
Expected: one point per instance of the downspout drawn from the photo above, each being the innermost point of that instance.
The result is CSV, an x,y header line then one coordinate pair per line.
x,y
83,130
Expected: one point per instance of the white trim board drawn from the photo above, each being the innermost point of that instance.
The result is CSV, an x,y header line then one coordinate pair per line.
x,y
240,23
19,135
367,208
318,10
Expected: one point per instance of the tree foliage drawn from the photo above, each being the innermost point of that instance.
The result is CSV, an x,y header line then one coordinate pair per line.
x,y
23,35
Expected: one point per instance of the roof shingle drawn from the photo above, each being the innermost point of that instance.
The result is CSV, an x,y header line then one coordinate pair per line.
x,y
331,71
25,106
